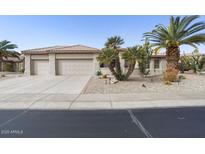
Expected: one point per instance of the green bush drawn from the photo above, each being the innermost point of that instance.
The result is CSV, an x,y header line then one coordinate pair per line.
x,y
144,57
186,63
98,73
202,63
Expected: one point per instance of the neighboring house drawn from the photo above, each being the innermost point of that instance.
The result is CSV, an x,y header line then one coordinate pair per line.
x,y
61,60
76,60
12,64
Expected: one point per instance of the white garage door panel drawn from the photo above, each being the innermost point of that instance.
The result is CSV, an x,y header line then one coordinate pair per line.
x,y
75,67
40,67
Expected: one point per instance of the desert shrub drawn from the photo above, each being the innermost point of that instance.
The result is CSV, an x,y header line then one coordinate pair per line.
x,y
98,73
186,63
104,76
194,62
182,77
202,63
167,83
171,74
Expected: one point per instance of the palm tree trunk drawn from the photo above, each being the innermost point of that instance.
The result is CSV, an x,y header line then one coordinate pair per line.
x,y
1,60
117,66
2,65
172,57
131,68
112,70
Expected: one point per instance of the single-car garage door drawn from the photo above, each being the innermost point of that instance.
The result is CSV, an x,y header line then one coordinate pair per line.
x,y
74,67
40,67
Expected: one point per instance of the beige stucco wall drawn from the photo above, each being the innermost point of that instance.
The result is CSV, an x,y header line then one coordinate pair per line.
x,y
52,61
39,56
52,64
27,65
160,70
74,56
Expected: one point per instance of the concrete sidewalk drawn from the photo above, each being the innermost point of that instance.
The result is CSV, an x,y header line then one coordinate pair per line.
x,y
98,101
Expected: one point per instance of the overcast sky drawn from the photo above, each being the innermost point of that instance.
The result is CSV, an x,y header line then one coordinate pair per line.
x,y
42,31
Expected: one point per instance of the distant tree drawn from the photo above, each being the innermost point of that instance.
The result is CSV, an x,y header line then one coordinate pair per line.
x,y
7,49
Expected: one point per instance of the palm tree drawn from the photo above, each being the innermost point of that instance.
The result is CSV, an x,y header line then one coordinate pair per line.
x,y
6,50
131,56
106,56
114,43
180,31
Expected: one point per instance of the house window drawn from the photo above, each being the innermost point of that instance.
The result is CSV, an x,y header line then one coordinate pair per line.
x,y
156,63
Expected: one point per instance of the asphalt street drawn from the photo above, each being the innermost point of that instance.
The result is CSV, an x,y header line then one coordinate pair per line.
x,y
139,123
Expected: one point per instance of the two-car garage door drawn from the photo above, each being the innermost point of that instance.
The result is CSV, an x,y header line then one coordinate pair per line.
x,y
74,67
63,67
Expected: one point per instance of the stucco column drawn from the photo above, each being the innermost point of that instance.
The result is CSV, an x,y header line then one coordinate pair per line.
x,y
96,66
27,65
52,64
160,66
151,66
163,65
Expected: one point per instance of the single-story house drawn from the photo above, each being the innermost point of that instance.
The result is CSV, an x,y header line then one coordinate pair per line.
x,y
61,60
75,60
12,64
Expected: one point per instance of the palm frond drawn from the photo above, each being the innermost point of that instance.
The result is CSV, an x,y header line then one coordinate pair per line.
x,y
7,49
114,42
106,56
178,32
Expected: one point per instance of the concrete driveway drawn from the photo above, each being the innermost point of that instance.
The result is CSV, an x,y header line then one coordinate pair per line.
x,y
40,92
64,93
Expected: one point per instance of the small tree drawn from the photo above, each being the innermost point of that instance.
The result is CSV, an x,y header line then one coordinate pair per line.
x,y
131,56
144,57
202,62
7,49
186,62
114,43
195,60
107,56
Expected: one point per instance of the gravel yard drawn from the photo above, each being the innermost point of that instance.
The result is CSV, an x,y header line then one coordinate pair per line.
x,y
192,84
7,75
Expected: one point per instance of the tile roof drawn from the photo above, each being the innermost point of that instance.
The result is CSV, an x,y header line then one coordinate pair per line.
x,y
12,59
62,49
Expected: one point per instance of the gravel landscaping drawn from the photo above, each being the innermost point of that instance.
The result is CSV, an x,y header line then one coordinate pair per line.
x,y
8,75
192,84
